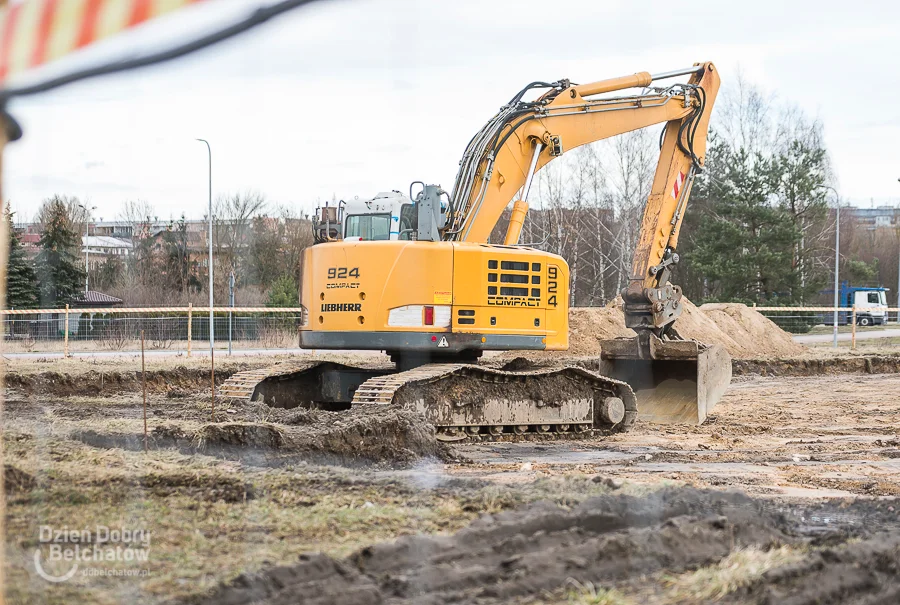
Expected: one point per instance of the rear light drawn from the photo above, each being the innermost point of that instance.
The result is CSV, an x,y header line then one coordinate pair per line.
x,y
417,316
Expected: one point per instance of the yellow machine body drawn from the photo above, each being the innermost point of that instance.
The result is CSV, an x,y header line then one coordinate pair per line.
x,y
442,297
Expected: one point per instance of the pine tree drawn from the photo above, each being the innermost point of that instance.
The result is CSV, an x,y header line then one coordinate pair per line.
x,y
744,243
21,284
284,293
801,171
60,277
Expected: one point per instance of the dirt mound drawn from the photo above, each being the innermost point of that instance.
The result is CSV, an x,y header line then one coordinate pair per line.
x,y
227,435
374,433
862,364
587,324
174,382
745,333
529,551
366,434
864,572
609,540
751,330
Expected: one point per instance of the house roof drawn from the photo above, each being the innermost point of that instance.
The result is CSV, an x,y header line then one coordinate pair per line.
x,y
92,297
104,241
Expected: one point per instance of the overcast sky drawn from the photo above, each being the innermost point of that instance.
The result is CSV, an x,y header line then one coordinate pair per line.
x,y
352,97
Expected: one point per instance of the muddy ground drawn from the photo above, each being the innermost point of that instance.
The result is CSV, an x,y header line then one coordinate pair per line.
x,y
786,494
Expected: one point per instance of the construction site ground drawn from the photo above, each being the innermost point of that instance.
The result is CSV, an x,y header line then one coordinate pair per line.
x,y
787,492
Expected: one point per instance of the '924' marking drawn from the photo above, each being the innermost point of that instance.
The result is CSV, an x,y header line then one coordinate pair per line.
x,y
552,284
342,272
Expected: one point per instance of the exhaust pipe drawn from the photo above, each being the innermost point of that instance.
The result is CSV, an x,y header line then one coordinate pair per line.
x,y
675,381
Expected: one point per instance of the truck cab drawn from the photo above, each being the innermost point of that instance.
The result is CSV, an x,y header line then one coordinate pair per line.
x,y
871,304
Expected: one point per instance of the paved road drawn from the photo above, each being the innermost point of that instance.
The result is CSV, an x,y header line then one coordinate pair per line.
x,y
866,335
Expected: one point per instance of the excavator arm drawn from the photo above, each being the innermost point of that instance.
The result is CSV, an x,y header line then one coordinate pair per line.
x,y
501,160
675,380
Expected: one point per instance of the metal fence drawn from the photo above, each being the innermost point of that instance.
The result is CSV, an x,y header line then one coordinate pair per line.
x,y
803,320
185,329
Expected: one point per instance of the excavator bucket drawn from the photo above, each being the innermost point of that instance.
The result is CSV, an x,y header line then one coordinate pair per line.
x,y
675,381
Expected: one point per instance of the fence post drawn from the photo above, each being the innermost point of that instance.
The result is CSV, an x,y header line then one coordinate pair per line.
x,y
144,388
66,335
853,331
190,323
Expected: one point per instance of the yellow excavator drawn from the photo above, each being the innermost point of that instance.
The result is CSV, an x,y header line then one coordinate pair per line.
x,y
415,276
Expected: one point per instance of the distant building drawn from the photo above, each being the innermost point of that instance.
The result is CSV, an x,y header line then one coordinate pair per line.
x,y
100,247
29,235
883,217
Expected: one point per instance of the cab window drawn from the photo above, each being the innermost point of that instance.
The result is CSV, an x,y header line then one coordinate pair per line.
x,y
409,220
368,226
874,298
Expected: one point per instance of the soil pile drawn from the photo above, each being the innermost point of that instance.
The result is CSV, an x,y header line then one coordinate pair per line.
x,y
174,382
751,330
745,333
365,434
861,364
610,540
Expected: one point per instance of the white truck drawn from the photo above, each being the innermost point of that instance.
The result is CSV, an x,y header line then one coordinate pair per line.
x,y
871,305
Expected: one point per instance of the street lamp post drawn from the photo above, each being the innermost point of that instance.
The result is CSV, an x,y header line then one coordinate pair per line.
x,y
87,243
837,261
211,330
212,338
837,269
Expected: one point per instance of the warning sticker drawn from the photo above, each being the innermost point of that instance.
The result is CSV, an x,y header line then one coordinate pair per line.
x,y
443,297
443,343
679,183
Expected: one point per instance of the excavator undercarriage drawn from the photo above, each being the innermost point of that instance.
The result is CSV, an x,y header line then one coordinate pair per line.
x,y
462,401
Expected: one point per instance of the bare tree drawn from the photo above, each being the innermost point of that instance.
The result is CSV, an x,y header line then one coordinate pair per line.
x,y
75,211
138,215
631,164
232,218
297,236
743,115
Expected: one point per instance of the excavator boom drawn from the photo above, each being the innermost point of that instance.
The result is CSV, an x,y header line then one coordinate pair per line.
x,y
675,380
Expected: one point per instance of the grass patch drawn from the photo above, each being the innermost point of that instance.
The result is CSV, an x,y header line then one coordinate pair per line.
x,y
738,570
212,519
587,594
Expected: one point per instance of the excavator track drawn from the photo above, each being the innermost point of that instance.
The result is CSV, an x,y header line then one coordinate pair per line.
x,y
470,402
464,402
